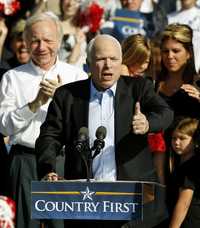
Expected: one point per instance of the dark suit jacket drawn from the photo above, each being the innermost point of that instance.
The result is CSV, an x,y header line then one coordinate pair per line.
x,y
68,112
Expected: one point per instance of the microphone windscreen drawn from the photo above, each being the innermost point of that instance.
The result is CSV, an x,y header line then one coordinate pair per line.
x,y
101,132
83,134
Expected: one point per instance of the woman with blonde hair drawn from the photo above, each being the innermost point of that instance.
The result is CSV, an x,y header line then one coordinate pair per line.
x,y
136,50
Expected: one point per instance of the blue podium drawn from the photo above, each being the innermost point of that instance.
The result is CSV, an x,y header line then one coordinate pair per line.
x,y
91,200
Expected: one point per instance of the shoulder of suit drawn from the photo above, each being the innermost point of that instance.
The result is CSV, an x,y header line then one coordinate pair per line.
x,y
75,84
135,83
132,80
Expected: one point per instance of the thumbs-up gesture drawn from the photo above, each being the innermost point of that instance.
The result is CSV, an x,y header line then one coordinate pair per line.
x,y
140,123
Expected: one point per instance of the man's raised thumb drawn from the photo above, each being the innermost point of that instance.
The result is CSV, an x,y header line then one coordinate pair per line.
x,y
137,108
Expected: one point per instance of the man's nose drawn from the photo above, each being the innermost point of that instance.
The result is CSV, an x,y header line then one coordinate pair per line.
x,y
41,44
108,62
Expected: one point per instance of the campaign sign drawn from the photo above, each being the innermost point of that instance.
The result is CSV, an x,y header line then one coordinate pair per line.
x,y
86,200
128,22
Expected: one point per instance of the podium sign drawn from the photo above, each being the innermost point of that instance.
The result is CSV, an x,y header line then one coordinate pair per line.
x,y
87,200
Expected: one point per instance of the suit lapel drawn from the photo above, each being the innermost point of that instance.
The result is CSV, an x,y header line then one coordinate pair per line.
x,y
124,109
81,105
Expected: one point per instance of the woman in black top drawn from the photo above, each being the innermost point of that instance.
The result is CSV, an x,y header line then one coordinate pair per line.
x,y
176,82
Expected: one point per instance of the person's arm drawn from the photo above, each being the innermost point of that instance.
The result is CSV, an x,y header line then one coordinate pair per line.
x,y
52,132
13,117
156,110
3,35
152,114
76,51
181,208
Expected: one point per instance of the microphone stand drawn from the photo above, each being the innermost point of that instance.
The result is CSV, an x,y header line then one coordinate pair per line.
x,y
90,172
87,159
88,169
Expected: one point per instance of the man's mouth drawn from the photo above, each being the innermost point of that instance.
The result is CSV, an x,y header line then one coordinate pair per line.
x,y
107,75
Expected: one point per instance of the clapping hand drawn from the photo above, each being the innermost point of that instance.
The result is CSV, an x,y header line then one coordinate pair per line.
x,y
46,91
49,86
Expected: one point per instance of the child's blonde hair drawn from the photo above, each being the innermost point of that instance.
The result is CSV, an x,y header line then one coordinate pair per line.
x,y
187,126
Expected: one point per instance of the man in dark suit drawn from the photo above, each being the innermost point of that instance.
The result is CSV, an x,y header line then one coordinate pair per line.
x,y
127,107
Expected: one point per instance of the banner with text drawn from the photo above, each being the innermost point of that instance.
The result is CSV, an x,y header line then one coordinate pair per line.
x,y
128,22
119,200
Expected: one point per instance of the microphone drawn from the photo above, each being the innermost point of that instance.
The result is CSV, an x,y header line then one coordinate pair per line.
x,y
82,140
99,141
82,146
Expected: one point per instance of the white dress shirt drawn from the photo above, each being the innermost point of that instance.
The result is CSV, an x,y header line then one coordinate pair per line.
x,y
101,113
20,86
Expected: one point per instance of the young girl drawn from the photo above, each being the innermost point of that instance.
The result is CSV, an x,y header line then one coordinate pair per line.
x,y
185,175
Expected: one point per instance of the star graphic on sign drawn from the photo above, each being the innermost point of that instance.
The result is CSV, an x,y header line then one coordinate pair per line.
x,y
87,194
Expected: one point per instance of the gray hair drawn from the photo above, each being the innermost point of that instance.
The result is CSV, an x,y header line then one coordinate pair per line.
x,y
91,45
45,16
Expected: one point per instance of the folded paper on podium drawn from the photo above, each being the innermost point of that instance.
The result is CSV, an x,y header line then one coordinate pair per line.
x,y
91,200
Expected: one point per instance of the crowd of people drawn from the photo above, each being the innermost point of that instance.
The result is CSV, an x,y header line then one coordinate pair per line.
x,y
138,77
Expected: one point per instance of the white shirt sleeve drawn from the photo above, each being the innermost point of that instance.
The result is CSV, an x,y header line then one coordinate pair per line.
x,y
13,118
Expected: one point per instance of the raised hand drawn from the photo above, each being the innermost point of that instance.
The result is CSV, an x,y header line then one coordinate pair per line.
x,y
3,34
